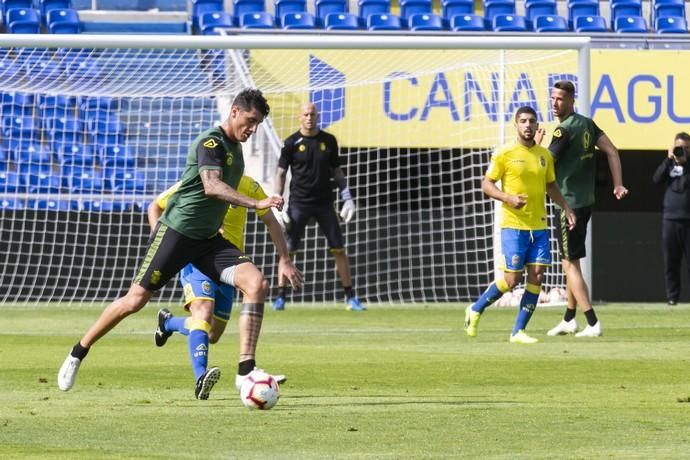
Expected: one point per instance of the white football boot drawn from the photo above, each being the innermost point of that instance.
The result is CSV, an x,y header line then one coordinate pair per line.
x,y
590,331
67,374
563,328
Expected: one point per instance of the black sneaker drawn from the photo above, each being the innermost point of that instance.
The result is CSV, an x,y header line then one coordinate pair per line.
x,y
161,336
205,383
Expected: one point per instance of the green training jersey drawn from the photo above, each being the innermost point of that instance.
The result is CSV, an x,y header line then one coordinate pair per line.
x,y
189,211
572,147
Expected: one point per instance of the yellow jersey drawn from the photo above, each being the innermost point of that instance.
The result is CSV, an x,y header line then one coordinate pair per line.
x,y
523,171
236,217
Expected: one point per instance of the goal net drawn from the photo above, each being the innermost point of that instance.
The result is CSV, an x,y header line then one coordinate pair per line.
x,y
92,131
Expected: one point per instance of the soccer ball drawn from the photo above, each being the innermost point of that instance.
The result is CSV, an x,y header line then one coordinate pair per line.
x,y
259,391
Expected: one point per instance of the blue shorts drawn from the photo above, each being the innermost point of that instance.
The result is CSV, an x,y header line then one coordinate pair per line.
x,y
525,247
198,286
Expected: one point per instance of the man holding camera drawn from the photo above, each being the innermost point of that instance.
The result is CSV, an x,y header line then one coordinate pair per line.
x,y
674,173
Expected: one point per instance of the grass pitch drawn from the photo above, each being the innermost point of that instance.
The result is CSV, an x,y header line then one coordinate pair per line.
x,y
395,382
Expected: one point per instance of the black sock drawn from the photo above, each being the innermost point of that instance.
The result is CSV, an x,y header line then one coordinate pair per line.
x,y
591,317
245,367
569,314
79,352
349,293
283,292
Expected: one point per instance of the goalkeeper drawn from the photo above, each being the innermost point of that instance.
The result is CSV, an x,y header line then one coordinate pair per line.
x,y
206,299
312,156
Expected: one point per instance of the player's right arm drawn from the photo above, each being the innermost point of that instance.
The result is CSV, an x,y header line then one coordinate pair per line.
x,y
216,188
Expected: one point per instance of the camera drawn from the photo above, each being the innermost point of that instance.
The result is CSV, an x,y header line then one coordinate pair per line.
x,y
678,152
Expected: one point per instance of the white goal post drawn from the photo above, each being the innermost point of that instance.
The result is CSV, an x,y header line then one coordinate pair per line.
x,y
94,126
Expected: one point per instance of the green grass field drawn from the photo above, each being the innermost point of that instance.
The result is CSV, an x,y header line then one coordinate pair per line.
x,y
396,382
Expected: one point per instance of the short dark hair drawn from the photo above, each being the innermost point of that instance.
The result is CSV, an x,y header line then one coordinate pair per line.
x,y
683,136
252,98
525,109
565,85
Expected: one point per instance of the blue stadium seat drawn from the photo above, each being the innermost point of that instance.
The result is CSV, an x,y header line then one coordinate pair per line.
x,y
671,25
326,7
410,7
41,180
630,24
582,8
11,4
425,21
288,6
63,21
66,130
106,205
17,104
45,6
301,20
550,23
82,180
622,8
509,23
496,7
241,7
258,20
75,154
43,70
19,127
11,204
83,70
536,8
50,204
664,8
209,22
450,8
589,24
59,102
378,21
107,131
341,21
128,181
367,7
200,7
23,21
11,182
118,156
33,153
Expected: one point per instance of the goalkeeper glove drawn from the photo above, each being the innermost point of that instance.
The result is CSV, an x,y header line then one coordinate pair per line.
x,y
348,211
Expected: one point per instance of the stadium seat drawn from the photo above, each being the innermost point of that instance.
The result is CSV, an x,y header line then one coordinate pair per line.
x,y
282,7
32,153
12,4
377,21
299,21
129,180
410,7
200,7
17,104
368,7
259,20
82,180
582,8
241,7
509,23
536,8
671,25
106,205
589,24
341,21
75,154
23,21
209,22
11,182
425,21
19,127
50,204
11,204
43,70
118,156
450,8
630,24
63,21
64,103
41,180
622,8
496,7
45,6
664,8
66,130
83,70
326,7
550,23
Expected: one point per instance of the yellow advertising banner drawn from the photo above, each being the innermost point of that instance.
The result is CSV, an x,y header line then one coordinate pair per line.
x,y
443,99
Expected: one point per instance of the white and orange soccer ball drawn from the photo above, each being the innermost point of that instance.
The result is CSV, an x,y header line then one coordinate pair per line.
x,y
259,391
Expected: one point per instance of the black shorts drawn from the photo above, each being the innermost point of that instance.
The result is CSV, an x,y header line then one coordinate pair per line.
x,y
571,243
169,251
325,216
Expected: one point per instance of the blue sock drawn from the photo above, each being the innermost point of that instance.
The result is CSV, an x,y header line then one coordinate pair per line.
x,y
491,295
176,324
527,305
198,347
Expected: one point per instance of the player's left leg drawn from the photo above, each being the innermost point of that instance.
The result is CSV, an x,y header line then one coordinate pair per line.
x,y
199,325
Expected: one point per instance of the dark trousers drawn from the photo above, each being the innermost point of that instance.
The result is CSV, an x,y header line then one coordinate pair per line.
x,y
675,239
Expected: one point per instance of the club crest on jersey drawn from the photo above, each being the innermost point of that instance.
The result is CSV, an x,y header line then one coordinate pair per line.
x,y
542,161
557,133
322,146
206,287
302,148
228,160
210,143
